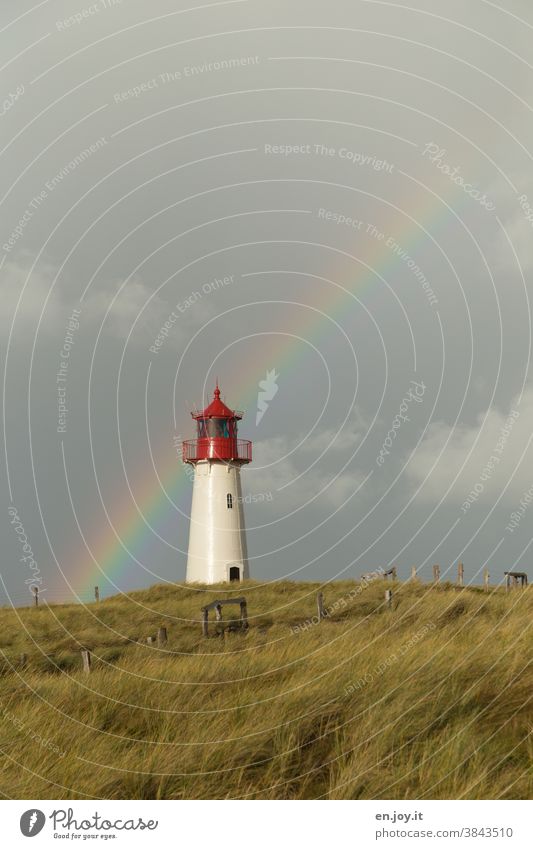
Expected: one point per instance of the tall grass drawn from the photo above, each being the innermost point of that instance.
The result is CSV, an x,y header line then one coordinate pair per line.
x,y
431,699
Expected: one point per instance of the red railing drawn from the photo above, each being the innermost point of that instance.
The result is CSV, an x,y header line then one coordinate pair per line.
x,y
217,448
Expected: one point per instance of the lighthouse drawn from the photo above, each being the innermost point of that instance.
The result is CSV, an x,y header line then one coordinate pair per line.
x,y
217,538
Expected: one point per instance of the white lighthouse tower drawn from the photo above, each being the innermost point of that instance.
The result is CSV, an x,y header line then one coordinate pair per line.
x,y
217,538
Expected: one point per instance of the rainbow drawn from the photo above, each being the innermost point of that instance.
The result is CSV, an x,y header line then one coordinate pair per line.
x,y
126,536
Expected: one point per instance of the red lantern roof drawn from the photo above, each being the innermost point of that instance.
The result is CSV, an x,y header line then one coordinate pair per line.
x,y
217,435
217,409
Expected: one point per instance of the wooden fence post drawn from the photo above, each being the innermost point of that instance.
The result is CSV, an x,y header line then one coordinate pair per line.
x,y
388,598
507,583
162,636
205,623
150,640
244,615
96,594
394,573
413,573
36,594
436,574
86,658
486,579
23,660
320,606
460,575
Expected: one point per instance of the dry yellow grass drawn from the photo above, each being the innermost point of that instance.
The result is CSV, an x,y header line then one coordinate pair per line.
x,y
429,700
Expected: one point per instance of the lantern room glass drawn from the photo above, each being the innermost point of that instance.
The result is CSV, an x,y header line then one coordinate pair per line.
x,y
216,428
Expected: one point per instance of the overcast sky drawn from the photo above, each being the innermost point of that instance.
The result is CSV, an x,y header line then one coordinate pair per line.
x,y
339,194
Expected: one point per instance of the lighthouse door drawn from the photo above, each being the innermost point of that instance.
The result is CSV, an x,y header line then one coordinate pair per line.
x,y
234,573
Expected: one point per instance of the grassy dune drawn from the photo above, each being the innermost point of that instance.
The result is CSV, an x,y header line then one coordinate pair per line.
x,y
432,699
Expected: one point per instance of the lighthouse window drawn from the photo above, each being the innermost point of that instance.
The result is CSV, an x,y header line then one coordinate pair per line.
x,y
202,431
229,500
217,427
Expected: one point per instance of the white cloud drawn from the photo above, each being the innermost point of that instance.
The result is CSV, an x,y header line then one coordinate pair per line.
x,y
284,471
14,278
482,455
133,301
513,217
125,310
520,233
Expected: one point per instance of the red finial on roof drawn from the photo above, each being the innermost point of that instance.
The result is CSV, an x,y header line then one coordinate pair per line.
x,y
217,409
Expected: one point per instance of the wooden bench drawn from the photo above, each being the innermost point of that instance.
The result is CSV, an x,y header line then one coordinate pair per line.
x,y
217,607
515,579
